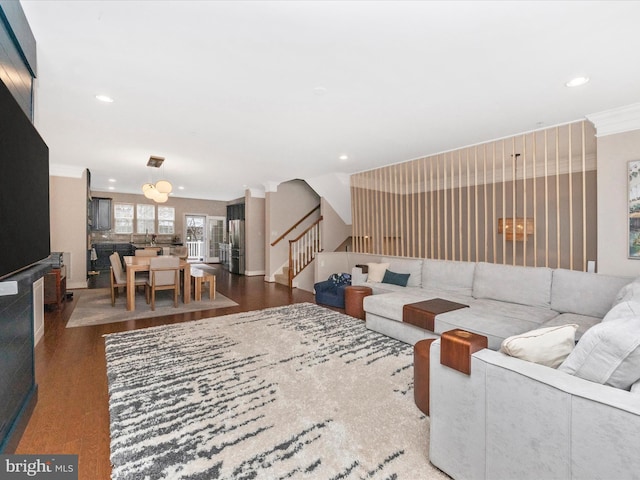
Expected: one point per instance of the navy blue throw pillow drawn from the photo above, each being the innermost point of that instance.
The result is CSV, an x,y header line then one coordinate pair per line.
x,y
339,279
396,278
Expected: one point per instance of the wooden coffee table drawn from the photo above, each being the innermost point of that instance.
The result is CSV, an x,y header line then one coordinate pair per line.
x,y
423,314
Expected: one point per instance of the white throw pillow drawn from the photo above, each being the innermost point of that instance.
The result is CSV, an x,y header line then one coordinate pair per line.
x,y
547,346
376,272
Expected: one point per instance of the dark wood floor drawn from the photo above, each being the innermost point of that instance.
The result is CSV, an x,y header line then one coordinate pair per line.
x,y
72,414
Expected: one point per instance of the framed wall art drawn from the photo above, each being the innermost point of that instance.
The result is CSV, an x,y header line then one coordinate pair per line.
x,y
633,210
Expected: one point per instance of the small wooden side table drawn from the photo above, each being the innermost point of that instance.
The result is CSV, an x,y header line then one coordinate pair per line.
x,y
199,277
421,374
55,287
353,299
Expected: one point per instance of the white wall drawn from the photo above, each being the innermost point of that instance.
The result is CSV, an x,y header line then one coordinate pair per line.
x,y
336,189
68,216
614,152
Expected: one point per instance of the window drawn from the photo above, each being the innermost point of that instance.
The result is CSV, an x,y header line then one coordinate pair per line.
x,y
166,220
123,214
145,218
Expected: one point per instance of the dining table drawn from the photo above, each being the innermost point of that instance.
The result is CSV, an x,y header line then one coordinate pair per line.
x,y
141,264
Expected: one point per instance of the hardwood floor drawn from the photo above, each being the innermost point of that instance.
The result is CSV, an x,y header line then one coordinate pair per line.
x,y
72,414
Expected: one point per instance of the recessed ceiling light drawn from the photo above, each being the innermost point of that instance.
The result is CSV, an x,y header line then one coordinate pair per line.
x,y
104,98
180,187
112,180
320,91
343,157
577,82
112,188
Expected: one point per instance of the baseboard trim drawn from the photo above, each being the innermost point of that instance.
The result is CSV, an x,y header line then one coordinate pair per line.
x,y
253,273
74,285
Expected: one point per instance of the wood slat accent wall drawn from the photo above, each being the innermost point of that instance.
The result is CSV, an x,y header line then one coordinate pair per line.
x,y
448,206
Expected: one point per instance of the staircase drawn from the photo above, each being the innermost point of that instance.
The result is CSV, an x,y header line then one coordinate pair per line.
x,y
302,250
282,278
304,259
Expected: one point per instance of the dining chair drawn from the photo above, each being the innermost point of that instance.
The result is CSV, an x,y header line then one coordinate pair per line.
x,y
119,278
146,252
164,274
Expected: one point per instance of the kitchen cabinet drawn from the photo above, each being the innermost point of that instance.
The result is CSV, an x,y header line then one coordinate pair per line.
x,y
104,251
100,214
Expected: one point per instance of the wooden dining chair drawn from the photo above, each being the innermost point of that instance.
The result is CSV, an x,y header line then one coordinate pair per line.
x,y
119,278
164,274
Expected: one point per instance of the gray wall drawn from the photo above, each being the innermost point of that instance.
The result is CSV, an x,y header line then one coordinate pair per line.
x,y
284,208
614,152
183,206
254,211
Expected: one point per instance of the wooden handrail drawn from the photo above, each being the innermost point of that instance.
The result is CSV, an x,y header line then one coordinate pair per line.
x,y
281,237
306,230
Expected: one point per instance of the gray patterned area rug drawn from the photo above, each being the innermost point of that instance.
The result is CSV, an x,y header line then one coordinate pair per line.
x,y
288,392
94,306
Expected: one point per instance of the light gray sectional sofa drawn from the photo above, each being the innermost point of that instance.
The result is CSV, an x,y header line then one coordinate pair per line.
x,y
504,300
512,418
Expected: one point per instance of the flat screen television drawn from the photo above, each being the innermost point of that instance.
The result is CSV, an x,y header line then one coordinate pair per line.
x,y
24,189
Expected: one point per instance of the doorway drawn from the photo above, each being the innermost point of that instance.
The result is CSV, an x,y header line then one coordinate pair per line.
x,y
216,234
195,235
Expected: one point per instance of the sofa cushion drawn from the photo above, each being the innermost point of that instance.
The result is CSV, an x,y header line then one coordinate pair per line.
x,y
608,353
635,388
547,346
391,304
412,266
584,293
584,322
376,272
476,320
523,285
448,275
535,315
394,278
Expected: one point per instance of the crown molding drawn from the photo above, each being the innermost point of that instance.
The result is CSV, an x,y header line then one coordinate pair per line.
x,y
73,171
270,187
256,193
616,120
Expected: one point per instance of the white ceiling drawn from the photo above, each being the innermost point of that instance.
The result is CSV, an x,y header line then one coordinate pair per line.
x,y
241,94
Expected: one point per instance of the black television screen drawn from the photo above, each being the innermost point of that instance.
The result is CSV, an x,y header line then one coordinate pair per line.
x,y
24,189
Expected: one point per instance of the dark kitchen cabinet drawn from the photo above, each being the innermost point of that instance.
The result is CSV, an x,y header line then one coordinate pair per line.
x,y
104,251
100,214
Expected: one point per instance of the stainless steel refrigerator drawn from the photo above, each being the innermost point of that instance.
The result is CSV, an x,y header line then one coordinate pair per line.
x,y
236,238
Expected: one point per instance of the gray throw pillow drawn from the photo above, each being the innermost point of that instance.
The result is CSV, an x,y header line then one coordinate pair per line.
x,y
608,353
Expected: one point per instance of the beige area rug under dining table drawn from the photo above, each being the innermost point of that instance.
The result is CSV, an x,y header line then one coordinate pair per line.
x,y
94,306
